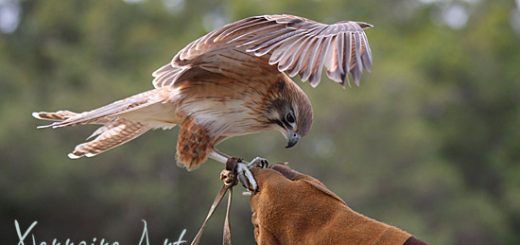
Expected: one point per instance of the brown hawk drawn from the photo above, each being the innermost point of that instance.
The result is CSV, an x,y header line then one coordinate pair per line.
x,y
232,81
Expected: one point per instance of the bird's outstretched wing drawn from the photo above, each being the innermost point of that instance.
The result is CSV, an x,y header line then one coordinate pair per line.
x,y
293,44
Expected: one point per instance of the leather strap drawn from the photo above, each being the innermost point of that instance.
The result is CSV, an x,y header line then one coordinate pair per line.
x,y
226,237
228,176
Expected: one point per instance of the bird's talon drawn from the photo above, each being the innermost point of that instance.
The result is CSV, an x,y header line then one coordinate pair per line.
x,y
258,162
246,177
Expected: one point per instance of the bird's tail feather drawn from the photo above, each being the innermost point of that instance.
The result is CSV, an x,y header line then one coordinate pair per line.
x,y
110,136
100,115
53,116
115,130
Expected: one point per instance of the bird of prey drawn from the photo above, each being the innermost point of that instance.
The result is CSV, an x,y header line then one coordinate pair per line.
x,y
233,81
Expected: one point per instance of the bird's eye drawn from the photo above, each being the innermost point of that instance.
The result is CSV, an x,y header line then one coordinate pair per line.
x,y
290,117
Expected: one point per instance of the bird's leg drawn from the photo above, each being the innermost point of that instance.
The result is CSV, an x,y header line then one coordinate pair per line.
x,y
243,168
219,156
244,173
223,157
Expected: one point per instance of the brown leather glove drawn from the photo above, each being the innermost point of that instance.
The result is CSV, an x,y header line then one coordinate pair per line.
x,y
293,208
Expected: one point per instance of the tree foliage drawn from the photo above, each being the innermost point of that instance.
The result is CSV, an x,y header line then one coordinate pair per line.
x,y
428,142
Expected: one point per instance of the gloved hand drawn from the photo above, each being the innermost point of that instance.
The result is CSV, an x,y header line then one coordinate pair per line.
x,y
293,208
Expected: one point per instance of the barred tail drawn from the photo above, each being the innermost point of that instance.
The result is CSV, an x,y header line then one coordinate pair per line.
x,y
54,116
100,115
117,128
109,136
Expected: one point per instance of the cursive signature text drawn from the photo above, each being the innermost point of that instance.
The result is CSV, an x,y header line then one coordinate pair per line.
x,y
28,238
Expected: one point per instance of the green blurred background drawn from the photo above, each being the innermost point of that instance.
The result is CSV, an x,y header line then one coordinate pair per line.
x,y
429,142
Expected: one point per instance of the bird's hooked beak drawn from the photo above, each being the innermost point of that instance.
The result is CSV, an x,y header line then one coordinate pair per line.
x,y
292,138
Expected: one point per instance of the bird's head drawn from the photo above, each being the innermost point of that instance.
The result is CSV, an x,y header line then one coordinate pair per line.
x,y
290,111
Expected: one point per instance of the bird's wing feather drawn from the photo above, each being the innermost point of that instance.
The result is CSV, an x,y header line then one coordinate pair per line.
x,y
292,44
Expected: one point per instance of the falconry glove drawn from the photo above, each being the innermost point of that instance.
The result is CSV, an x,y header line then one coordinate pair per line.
x,y
293,208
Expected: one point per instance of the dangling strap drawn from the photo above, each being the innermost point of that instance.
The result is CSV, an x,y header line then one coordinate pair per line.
x,y
228,176
226,237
